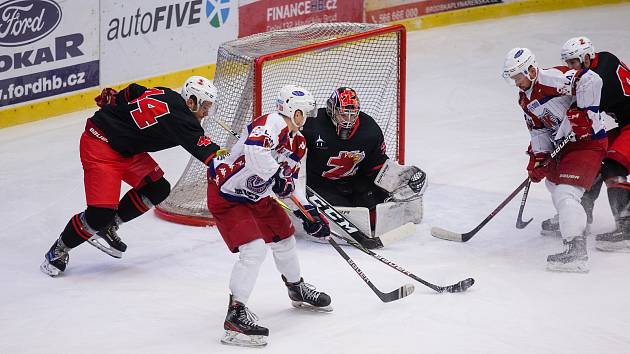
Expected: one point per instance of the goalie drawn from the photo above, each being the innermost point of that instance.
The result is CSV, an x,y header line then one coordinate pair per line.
x,y
348,166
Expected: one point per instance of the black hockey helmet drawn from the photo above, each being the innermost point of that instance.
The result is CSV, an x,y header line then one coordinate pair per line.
x,y
343,109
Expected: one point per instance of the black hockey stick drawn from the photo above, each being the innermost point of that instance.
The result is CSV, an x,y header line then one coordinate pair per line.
x,y
520,223
399,293
346,225
454,236
455,288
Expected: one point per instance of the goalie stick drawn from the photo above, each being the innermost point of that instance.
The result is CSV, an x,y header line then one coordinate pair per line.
x,y
397,294
454,236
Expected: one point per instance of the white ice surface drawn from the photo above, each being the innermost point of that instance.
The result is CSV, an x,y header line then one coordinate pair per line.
x,y
169,292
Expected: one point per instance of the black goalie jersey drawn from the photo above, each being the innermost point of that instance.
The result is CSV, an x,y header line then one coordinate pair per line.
x,y
616,89
152,119
331,159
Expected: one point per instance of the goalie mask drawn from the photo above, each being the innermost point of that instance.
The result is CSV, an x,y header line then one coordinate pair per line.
x,y
343,109
200,90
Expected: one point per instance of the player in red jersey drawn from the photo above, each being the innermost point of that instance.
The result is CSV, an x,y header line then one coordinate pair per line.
x,y
113,149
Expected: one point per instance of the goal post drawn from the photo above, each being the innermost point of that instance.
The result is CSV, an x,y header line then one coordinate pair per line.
x,y
319,57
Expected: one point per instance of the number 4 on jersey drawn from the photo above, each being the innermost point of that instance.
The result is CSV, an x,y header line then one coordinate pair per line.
x,y
149,108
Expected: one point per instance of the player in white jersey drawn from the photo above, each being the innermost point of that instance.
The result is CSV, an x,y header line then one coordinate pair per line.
x,y
263,163
551,115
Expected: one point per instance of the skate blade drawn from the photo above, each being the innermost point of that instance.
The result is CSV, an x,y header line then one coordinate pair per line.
x,y
104,247
306,306
243,340
573,267
49,269
622,246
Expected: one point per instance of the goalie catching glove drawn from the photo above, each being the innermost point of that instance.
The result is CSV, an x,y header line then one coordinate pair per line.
x,y
318,227
404,183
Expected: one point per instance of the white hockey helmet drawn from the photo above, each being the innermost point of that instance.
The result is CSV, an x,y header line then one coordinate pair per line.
x,y
577,48
518,61
201,88
292,98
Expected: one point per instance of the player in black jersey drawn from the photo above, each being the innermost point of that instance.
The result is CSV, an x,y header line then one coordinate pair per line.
x,y
346,152
579,54
113,149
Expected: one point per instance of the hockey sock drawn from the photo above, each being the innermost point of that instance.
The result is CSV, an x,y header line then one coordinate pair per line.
x,y
286,259
245,270
572,216
84,225
138,201
590,196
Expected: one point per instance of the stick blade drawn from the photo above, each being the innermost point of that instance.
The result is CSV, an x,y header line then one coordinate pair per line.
x,y
461,286
397,234
446,235
398,294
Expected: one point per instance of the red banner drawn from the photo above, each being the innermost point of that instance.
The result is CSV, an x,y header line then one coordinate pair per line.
x,y
267,15
416,8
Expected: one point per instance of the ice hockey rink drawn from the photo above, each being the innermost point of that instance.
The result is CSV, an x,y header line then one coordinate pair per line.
x,y
169,292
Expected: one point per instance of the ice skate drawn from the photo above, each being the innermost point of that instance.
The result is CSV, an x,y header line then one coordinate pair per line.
x,y
56,259
241,328
304,296
108,241
615,241
573,259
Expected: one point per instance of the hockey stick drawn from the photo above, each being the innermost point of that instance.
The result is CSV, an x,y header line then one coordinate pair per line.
x,y
455,288
454,236
397,294
520,223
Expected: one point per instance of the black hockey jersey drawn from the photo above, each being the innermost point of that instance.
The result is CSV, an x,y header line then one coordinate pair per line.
x,y
152,119
331,159
616,89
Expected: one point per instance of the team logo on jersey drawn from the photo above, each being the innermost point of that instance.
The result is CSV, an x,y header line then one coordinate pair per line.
x,y
319,143
204,141
257,184
344,165
548,119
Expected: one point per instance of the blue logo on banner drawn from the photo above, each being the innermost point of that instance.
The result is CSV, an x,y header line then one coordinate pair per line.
x,y
27,21
217,11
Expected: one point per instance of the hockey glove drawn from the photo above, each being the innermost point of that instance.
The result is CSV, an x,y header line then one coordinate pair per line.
x,y
580,123
107,96
536,168
316,228
283,184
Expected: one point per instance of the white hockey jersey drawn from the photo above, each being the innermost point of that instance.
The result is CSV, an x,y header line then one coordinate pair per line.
x,y
264,146
546,103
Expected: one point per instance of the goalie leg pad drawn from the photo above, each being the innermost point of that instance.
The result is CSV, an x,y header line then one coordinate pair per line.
x,y
392,215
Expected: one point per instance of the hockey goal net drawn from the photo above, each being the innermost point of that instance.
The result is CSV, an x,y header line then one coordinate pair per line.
x,y
320,57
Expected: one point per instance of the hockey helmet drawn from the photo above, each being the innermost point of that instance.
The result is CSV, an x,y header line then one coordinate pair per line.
x,y
292,98
577,48
200,89
517,61
343,108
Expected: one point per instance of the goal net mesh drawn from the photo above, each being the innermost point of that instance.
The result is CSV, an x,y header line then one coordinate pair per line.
x,y
319,57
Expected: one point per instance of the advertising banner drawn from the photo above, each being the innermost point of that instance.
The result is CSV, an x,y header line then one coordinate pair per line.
x,y
47,48
145,38
267,15
383,11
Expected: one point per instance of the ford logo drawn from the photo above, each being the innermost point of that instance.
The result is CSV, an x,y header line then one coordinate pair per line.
x,y
26,21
